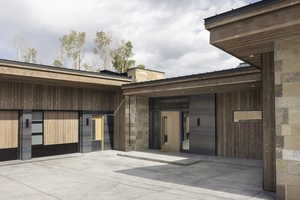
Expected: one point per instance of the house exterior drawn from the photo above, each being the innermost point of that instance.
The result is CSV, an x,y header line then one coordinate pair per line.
x,y
47,110
249,112
266,34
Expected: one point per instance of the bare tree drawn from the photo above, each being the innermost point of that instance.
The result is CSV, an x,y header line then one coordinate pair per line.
x,y
103,47
72,44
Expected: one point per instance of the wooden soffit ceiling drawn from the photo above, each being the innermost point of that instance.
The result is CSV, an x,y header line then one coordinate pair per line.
x,y
196,85
249,34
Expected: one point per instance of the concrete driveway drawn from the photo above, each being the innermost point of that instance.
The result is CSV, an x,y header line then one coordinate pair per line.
x,y
105,176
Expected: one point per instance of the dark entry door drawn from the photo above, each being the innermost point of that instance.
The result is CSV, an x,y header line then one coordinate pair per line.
x,y
202,124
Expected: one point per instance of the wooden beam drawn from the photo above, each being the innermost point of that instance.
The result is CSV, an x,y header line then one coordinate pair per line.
x,y
269,168
193,86
45,74
261,10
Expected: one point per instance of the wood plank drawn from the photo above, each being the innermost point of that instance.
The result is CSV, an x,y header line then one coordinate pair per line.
x,y
9,129
16,95
60,127
239,139
172,130
56,74
269,170
171,86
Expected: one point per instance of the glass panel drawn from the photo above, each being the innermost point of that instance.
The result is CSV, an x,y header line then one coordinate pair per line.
x,y
37,139
93,129
186,131
37,128
37,116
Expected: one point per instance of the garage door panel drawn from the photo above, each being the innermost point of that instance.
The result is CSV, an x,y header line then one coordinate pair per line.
x,y
60,128
9,129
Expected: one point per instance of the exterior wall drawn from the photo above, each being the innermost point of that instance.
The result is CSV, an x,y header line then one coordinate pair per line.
x,y
202,136
119,123
141,75
25,96
136,123
163,104
287,109
242,139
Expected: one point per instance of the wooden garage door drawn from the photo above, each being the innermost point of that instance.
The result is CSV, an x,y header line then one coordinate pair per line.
x,y
60,127
9,129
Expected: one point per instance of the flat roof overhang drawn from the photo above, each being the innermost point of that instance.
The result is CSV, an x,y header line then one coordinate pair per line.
x,y
214,82
250,31
42,74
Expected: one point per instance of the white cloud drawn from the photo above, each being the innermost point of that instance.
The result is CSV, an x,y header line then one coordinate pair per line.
x,y
167,35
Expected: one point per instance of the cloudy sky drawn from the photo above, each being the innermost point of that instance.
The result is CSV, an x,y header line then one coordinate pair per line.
x,y
167,35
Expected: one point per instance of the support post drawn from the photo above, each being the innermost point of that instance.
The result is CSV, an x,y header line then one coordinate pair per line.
x,y
269,160
25,134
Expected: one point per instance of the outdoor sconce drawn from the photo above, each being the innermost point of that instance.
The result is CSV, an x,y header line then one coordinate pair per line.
x,y
27,123
198,122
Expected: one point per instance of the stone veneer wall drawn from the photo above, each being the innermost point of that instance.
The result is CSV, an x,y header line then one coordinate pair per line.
x,y
136,123
141,75
287,109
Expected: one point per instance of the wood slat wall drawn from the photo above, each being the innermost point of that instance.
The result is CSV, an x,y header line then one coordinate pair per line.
x,y
99,127
269,146
9,129
60,127
239,139
16,95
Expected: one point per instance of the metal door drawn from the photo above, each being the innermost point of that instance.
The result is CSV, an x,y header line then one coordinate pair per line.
x,y
202,124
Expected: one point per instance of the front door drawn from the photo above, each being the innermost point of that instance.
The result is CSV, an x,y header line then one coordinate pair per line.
x,y
202,124
97,132
170,131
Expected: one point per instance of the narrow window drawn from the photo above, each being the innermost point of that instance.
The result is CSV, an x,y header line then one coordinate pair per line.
x,y
37,128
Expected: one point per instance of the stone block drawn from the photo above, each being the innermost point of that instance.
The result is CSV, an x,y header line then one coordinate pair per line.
x,y
290,77
287,102
286,130
280,191
294,115
282,116
279,142
278,90
292,142
293,168
291,155
295,128
293,192
291,89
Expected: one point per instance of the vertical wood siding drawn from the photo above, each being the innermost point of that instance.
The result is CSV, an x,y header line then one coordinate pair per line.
x,y
9,129
60,127
239,139
15,95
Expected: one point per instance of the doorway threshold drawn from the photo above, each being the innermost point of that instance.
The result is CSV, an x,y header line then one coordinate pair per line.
x,y
181,159
186,159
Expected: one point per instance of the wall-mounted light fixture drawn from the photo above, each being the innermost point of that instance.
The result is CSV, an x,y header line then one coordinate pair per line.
x,y
27,123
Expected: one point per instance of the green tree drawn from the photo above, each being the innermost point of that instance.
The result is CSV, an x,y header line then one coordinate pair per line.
x,y
58,63
72,44
121,57
30,55
141,66
103,47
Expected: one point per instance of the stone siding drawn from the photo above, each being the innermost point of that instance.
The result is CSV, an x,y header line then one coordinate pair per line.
x,y
141,75
137,123
287,107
